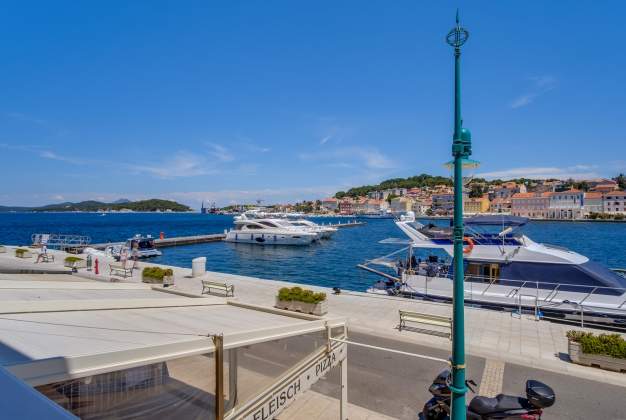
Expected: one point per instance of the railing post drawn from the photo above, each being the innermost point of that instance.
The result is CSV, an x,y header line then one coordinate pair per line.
x,y
218,341
343,403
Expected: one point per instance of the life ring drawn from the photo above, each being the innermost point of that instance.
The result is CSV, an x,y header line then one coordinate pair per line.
x,y
470,245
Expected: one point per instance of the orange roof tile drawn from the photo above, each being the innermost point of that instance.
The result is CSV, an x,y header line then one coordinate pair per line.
x,y
593,195
523,195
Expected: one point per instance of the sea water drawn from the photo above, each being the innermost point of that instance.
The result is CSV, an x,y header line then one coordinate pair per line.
x,y
329,263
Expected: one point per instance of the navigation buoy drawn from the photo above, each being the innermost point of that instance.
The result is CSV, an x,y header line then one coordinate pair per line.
x,y
470,245
161,235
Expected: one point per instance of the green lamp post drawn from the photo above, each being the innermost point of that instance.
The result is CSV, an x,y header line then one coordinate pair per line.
x,y
461,150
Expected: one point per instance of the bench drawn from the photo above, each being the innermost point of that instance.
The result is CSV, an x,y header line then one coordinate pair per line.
x,y
207,285
120,270
426,319
45,257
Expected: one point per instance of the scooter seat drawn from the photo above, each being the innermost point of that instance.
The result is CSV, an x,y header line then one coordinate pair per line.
x,y
485,405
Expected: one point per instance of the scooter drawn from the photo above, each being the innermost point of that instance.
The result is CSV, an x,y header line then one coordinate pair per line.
x,y
538,397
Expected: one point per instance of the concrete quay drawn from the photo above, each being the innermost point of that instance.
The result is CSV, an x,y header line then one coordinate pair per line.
x,y
492,334
502,352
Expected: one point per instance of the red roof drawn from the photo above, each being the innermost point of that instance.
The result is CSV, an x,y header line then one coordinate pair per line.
x,y
593,195
523,195
570,191
617,193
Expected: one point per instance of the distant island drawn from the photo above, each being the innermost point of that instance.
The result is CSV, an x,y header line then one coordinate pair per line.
x,y
152,205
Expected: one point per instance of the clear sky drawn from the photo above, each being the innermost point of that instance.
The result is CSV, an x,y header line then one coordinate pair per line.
x,y
284,100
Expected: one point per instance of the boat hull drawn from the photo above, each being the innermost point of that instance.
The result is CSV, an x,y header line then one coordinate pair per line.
x,y
269,239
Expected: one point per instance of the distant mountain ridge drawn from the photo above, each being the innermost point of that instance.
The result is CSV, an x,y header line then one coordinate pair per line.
x,y
94,206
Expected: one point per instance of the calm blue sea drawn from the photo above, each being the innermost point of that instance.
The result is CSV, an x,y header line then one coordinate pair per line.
x,y
328,263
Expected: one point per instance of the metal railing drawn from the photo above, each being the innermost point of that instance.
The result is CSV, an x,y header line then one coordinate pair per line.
x,y
540,296
60,241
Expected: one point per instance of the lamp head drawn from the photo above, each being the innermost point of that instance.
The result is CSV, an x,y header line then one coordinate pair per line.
x,y
457,35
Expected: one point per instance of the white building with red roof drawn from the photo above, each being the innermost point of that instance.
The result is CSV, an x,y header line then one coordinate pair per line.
x,y
615,202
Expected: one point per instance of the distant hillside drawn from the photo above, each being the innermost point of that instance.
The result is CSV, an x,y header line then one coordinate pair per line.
x,y
143,205
423,180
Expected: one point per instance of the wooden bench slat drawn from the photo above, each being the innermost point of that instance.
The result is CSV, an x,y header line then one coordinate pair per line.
x,y
207,285
427,319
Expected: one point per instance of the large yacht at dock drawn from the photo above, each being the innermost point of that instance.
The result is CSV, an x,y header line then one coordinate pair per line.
x,y
503,268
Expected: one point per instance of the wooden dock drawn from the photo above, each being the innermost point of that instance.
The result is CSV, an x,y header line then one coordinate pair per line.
x,y
173,241
346,225
188,240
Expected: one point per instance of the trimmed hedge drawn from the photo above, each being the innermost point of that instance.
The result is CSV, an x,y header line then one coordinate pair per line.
x,y
607,344
157,273
21,251
300,295
71,260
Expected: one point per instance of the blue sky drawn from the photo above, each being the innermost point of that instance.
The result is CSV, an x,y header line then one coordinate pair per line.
x,y
234,101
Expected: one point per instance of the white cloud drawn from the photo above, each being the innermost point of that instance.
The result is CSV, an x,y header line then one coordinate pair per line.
x,y
25,118
182,164
370,158
268,195
48,154
574,172
540,86
325,139
220,153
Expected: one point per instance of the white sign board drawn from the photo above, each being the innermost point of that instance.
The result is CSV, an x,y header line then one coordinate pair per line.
x,y
284,396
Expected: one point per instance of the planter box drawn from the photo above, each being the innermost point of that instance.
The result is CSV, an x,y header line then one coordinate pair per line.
x,y
77,264
595,360
318,309
26,254
155,280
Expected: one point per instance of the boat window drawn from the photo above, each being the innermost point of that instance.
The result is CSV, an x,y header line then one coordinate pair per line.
x,y
270,224
253,227
480,272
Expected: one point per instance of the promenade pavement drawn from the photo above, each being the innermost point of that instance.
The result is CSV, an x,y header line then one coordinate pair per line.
x,y
490,334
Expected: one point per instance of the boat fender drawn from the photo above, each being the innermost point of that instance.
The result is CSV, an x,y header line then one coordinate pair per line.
x,y
470,245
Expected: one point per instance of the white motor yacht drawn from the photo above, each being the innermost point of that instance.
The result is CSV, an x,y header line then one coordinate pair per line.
x,y
144,246
325,231
269,232
504,268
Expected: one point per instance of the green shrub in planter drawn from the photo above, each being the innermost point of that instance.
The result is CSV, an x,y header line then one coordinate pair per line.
x,y
300,295
22,252
156,274
75,262
606,344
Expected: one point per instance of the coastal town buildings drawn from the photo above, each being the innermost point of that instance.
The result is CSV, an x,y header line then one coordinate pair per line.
x,y
534,205
507,190
422,206
594,203
401,204
606,187
615,202
566,204
476,205
330,204
542,199
443,204
500,205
